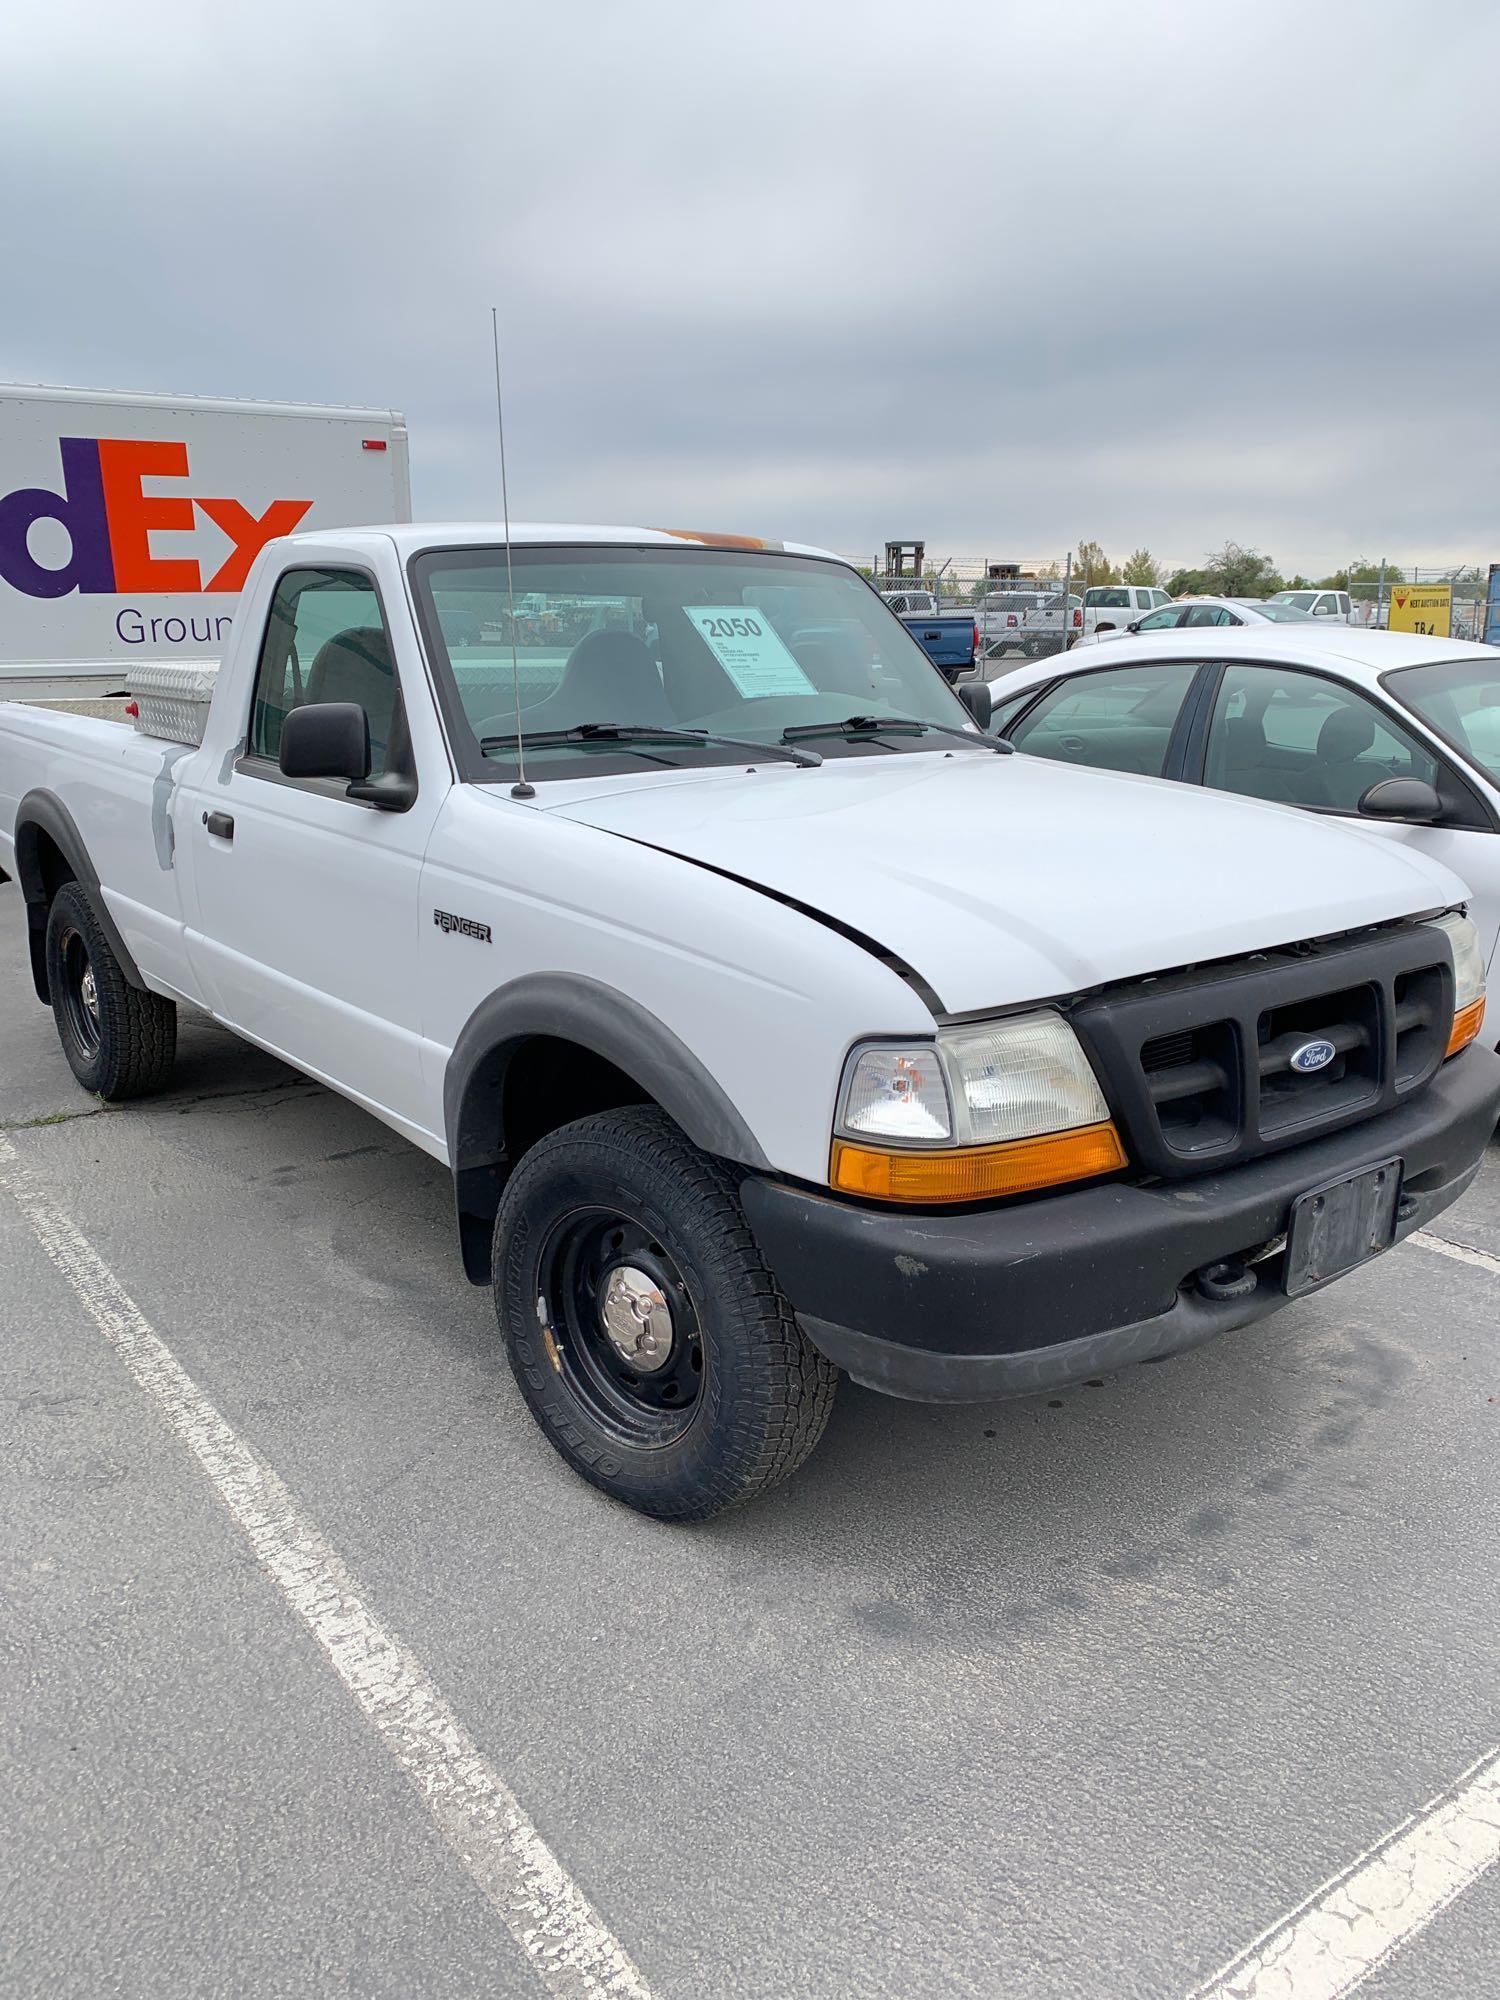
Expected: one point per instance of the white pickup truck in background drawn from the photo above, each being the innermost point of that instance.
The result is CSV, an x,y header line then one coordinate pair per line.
x,y
129,523
772,1019
1031,622
1111,607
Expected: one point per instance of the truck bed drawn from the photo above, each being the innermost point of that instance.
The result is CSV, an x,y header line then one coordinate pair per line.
x,y
117,785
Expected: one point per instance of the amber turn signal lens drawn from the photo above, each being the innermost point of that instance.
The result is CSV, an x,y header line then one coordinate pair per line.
x,y
1466,1025
976,1173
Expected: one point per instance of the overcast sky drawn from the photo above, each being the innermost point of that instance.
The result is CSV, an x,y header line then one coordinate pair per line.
x,y
1000,277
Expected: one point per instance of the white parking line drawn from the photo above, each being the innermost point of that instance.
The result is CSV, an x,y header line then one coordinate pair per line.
x,y
1349,1928
1461,1253
575,1954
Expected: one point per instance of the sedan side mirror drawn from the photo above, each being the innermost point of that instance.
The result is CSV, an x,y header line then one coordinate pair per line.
x,y
977,699
1411,799
1134,627
326,739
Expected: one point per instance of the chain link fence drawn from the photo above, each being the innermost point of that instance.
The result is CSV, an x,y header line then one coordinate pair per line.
x,y
1024,610
1032,608
1448,602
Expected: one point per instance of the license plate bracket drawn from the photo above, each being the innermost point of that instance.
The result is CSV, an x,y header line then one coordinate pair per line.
x,y
1340,1225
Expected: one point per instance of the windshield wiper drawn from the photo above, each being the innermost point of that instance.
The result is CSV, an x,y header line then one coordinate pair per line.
x,y
896,725
648,732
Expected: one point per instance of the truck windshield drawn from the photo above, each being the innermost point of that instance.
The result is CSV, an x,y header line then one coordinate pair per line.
x,y
739,645
1460,699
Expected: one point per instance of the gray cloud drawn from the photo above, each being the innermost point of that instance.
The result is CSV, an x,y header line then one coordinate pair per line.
x,y
1161,274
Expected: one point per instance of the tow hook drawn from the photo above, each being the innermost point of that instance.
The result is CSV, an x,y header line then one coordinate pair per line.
x,y
1226,1280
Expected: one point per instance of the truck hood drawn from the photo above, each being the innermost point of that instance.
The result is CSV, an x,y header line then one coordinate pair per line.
x,y
1005,879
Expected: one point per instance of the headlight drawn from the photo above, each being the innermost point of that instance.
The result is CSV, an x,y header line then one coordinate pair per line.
x,y
1017,1079
995,1108
1468,980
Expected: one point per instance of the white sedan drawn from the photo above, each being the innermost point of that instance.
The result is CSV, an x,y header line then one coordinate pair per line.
x,y
1193,613
1399,732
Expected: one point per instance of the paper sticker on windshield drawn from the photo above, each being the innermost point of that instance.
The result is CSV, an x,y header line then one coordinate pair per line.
x,y
746,645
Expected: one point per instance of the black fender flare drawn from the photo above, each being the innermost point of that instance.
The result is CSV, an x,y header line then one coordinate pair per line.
x,y
43,812
567,1007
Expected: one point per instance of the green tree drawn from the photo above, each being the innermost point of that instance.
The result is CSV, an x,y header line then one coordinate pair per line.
x,y
1239,572
1187,583
1093,566
1142,567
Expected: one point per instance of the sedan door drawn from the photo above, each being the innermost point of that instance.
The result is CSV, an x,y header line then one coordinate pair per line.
x,y
1304,738
1115,719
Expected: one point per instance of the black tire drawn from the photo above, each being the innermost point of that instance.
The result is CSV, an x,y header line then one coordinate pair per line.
x,y
120,1041
738,1398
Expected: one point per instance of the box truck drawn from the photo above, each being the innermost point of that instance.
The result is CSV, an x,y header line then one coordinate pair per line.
x,y
129,523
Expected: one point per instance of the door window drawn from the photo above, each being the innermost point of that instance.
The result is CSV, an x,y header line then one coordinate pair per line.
x,y
1161,621
1327,606
1281,734
1011,706
1208,614
1120,721
326,640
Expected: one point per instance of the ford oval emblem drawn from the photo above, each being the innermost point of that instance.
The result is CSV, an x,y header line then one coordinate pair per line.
x,y
1313,1056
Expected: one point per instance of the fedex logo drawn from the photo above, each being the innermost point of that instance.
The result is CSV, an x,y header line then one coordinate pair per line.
x,y
109,519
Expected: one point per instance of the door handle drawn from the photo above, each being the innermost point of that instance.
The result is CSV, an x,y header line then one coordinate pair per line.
x,y
220,825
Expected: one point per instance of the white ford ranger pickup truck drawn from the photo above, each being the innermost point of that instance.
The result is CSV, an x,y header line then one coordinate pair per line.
x,y
652,887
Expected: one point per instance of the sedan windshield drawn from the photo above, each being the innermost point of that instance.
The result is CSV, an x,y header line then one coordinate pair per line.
x,y
1460,699
664,642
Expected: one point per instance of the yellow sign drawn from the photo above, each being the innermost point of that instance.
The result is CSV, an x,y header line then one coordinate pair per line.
x,y
1422,607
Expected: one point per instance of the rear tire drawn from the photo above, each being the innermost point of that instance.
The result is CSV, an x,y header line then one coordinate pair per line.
x,y
120,1040
652,1344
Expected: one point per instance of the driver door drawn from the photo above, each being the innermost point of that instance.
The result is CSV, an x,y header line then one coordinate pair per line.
x,y
307,901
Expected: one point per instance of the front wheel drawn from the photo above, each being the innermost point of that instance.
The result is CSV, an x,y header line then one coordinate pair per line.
x,y
119,1039
654,1347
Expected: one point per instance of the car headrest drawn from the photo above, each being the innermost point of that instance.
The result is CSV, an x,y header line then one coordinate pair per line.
x,y
609,677
1345,735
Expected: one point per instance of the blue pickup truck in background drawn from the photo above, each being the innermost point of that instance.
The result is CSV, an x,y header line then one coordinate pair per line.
x,y
949,639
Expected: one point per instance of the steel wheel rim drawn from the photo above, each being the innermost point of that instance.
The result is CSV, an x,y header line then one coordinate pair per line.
x,y
80,993
620,1327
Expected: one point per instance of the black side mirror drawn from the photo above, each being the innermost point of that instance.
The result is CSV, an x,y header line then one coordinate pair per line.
x,y
1410,799
977,699
326,739
1134,627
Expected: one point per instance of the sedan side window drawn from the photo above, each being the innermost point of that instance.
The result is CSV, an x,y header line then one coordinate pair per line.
x,y
1208,614
1281,734
1120,721
1006,710
1161,621
325,641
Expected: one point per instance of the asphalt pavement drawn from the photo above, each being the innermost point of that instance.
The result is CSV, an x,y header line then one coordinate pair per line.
x,y
1068,1699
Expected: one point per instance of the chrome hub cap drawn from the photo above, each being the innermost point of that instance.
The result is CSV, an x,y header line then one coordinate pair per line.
x,y
637,1318
89,992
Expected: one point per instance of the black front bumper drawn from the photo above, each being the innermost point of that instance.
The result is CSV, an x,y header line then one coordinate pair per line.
x,y
1000,1302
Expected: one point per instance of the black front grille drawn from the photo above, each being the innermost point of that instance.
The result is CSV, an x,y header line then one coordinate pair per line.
x,y
1348,1022
1216,1065
1193,1079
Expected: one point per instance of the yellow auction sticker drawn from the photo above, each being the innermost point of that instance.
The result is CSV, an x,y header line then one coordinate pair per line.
x,y
1423,607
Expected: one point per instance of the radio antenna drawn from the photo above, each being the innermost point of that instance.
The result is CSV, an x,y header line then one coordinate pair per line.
x,y
520,789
